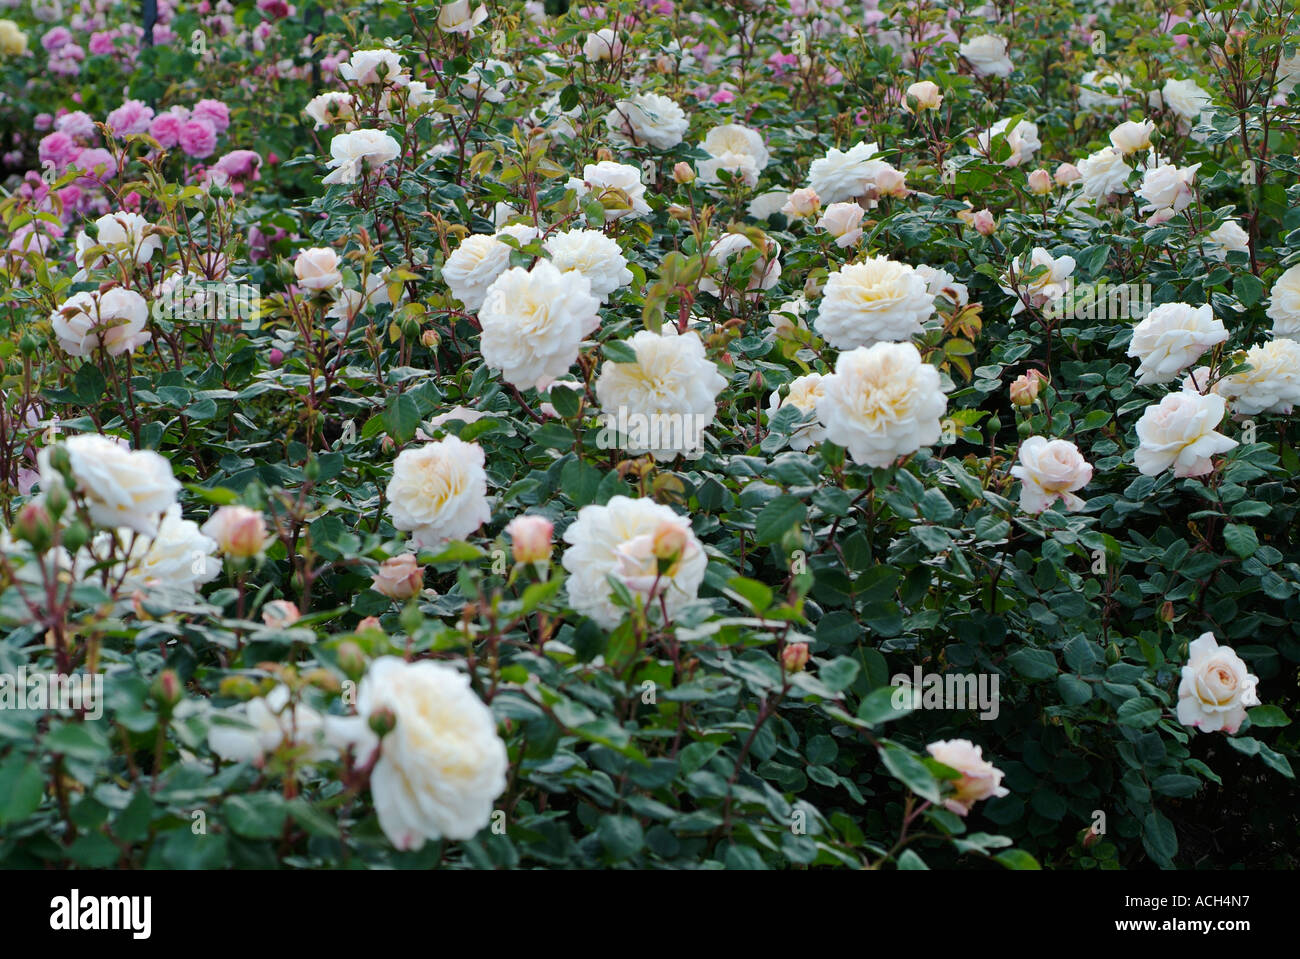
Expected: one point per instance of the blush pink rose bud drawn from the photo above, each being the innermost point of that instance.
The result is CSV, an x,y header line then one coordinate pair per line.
x,y
924,95
166,689
844,222
1040,182
350,658
683,172
275,357
1066,174
530,538
280,614
400,577
795,657
317,269
35,527
1024,390
238,531
984,223
803,202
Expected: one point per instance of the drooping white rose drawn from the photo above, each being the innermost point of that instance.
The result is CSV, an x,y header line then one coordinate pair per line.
x,y
1050,470
457,17
443,764
1216,687
614,179
438,491
647,119
1179,432
126,235
490,80
534,322
882,402
1271,385
663,402
876,301
604,44
844,222
626,538
1021,139
370,67
330,106
1104,173
1167,189
846,174
1131,136
121,486
1042,290
942,283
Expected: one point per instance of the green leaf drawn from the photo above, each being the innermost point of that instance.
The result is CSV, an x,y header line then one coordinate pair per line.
x,y
777,517
1033,663
1159,838
1140,712
1017,859
1268,716
21,788
1240,539
402,417
908,769
621,836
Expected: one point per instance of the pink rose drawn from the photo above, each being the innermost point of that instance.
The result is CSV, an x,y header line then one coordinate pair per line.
x,y
197,138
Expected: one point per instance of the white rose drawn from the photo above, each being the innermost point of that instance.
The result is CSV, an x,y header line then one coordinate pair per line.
x,y
124,234
1167,190
882,402
456,17
438,491
877,300
1102,90
846,174
1228,238
593,254
328,107
1182,97
789,315
1172,337
1130,136
619,539
1271,385
317,269
802,203
804,393
608,177
844,222
766,204
114,320
491,80
666,399
737,139
979,780
602,45
647,119
764,274
443,765
987,55
1284,304
1179,432
374,66
475,265
1045,289
921,96
942,283
178,556
121,486
1216,687
1021,139
1050,470
261,725
1104,173
534,322
348,151
740,166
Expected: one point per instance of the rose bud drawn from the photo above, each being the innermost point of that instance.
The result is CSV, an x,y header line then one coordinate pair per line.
x,y
1024,390
795,657
924,95
1066,174
275,357
317,269
35,527
238,531
984,223
530,538
1040,182
803,202
166,689
683,172
400,577
668,543
382,721
351,660
280,614
430,338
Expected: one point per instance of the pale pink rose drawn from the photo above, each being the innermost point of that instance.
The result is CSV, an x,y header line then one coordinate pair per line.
x,y
979,780
400,577
530,538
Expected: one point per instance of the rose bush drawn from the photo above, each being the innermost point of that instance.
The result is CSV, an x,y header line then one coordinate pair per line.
x,y
451,436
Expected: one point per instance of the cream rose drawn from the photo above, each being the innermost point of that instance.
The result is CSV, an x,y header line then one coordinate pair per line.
x,y
1228,238
1103,174
619,539
1271,385
979,780
647,119
844,222
329,107
602,45
803,395
238,531
1044,289
877,300
593,254
921,96
1050,470
443,764
1021,139
534,322
121,486
663,402
721,277
1171,338
882,402
987,55
113,320
248,731
179,556
475,265
1216,687
1167,189
1103,90
1179,433
456,17
615,181
1284,304
1131,136
317,269
350,153
438,491
370,67
846,174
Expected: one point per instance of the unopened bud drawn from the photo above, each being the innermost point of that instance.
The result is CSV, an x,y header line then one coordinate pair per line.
x,y
238,687
1166,612
530,538
795,657
1040,182
166,689
683,172
351,660
34,526
430,338
382,721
